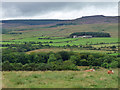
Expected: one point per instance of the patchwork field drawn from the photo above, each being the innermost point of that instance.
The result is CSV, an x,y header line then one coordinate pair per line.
x,y
58,79
59,41
37,47
57,35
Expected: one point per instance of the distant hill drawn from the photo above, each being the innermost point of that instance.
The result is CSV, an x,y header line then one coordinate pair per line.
x,y
84,20
24,22
96,19
33,21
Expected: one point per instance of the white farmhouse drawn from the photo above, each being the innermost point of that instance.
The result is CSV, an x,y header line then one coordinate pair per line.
x,y
85,36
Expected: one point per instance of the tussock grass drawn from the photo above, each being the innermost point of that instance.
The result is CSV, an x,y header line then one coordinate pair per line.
x,y
60,79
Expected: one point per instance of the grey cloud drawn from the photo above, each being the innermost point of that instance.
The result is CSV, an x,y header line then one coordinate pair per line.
x,y
30,9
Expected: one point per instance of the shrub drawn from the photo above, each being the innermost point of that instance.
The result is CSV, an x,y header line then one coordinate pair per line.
x,y
105,65
69,65
52,58
114,64
97,67
90,66
65,55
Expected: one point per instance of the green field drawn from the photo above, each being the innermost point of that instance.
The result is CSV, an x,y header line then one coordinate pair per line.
x,y
87,41
64,41
60,79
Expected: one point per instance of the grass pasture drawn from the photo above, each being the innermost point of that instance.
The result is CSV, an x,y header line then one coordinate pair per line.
x,y
83,41
36,39
63,41
104,45
60,79
68,49
59,41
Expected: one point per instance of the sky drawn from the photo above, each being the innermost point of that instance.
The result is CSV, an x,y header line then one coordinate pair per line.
x,y
57,10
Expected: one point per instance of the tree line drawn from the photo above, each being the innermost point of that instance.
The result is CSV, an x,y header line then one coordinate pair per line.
x,y
62,60
24,47
93,34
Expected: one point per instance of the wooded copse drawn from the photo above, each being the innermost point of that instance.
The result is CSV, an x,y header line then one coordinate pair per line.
x,y
62,60
93,34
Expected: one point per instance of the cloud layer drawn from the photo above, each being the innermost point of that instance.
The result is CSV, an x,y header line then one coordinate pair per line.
x,y
57,10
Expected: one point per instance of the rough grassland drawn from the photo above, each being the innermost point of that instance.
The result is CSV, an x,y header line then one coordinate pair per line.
x,y
60,79
62,31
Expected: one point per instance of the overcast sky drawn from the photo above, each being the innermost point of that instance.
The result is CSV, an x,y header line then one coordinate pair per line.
x,y
57,10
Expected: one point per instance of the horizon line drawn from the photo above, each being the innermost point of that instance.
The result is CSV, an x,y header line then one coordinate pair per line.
x,y
53,18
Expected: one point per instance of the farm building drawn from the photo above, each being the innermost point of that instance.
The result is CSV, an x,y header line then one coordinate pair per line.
x,y
85,36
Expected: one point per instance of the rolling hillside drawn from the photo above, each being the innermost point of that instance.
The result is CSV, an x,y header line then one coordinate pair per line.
x,y
84,20
15,29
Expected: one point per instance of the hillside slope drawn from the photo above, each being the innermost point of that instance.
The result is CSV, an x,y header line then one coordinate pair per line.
x,y
60,28
83,20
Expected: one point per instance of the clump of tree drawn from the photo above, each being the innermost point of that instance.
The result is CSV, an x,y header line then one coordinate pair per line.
x,y
25,46
93,34
15,33
62,60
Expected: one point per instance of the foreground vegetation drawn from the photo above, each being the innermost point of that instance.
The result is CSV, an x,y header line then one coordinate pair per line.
x,y
58,79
